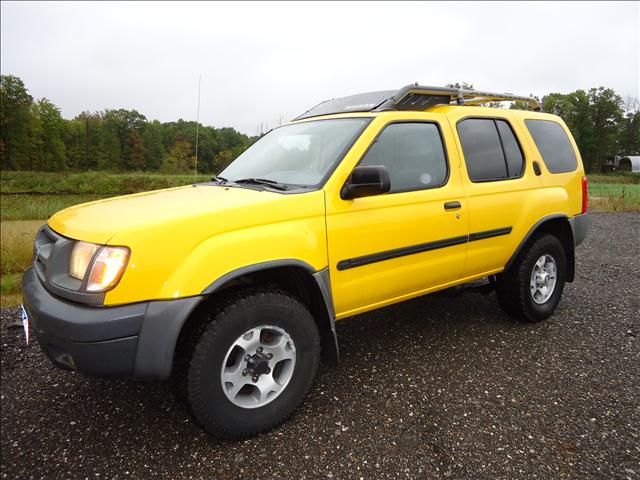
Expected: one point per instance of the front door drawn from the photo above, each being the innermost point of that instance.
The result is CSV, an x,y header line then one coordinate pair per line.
x,y
386,248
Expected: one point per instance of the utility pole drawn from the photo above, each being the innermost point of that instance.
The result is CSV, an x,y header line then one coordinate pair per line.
x,y
195,168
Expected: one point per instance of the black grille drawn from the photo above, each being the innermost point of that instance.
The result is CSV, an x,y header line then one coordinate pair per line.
x,y
43,249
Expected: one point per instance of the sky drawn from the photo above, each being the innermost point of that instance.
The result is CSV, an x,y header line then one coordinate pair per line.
x,y
265,63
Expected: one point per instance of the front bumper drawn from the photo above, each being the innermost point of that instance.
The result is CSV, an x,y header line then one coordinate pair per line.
x,y
136,340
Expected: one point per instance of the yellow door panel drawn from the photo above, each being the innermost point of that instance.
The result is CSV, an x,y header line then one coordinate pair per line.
x,y
392,245
499,210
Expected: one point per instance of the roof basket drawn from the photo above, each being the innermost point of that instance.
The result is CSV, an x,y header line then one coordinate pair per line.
x,y
412,97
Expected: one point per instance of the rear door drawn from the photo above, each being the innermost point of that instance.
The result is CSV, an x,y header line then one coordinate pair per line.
x,y
498,182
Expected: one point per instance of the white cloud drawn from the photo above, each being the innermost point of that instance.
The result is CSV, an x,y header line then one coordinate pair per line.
x,y
260,61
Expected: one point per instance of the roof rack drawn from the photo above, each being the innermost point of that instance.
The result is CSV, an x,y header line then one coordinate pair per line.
x,y
412,97
416,95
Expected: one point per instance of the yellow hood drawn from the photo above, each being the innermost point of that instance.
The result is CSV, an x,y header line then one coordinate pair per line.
x,y
100,221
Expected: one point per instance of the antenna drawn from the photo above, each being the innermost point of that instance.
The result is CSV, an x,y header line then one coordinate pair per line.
x,y
195,167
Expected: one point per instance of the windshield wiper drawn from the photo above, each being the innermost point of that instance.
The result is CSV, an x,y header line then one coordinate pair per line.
x,y
219,179
263,181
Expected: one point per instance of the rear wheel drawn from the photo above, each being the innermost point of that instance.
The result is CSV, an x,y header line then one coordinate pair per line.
x,y
253,364
531,289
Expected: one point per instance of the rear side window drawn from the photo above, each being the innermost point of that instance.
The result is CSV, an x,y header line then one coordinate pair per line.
x,y
512,153
413,154
554,145
491,150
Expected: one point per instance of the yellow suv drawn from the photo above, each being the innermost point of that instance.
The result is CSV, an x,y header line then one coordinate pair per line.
x,y
234,285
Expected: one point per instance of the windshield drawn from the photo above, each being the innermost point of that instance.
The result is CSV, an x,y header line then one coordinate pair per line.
x,y
299,154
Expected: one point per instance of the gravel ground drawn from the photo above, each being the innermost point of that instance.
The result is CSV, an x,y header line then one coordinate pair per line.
x,y
441,386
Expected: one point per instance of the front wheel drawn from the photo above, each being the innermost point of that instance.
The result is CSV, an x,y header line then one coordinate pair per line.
x,y
531,289
254,363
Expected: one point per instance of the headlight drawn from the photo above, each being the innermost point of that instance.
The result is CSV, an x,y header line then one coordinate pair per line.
x,y
80,257
107,268
102,269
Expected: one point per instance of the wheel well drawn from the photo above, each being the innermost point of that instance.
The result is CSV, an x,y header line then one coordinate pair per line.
x,y
560,228
296,281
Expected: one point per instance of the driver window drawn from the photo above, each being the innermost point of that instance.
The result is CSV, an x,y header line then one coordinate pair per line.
x,y
414,155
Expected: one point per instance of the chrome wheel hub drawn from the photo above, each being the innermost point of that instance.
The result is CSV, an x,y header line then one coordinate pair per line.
x,y
258,366
543,279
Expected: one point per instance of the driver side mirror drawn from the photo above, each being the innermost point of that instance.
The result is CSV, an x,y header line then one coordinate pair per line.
x,y
366,181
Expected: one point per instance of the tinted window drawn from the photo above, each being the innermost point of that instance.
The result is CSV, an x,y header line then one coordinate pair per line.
x,y
554,145
490,149
413,153
482,149
512,152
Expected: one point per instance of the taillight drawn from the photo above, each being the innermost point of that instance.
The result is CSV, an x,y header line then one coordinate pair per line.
x,y
585,195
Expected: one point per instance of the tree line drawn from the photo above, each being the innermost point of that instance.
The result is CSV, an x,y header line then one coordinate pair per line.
x,y
602,123
34,136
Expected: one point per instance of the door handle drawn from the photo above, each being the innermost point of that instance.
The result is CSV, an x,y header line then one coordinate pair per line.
x,y
452,205
536,168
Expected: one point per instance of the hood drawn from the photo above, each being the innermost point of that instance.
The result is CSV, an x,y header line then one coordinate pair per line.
x,y
114,219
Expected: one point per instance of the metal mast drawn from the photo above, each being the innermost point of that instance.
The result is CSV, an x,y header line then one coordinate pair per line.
x,y
195,168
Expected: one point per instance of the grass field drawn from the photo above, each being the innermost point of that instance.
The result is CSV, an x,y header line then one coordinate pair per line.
x,y
38,207
614,197
16,252
27,199
91,183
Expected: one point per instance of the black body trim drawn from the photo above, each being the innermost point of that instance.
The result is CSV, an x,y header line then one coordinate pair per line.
x,y
321,277
422,247
579,226
134,340
227,277
489,234
532,230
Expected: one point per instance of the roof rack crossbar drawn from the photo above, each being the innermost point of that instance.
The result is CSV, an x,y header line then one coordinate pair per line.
x,y
461,96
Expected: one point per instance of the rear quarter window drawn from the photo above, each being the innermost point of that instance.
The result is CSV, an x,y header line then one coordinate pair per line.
x,y
553,144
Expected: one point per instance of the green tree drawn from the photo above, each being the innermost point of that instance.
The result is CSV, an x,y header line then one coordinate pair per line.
x,y
607,114
35,140
75,144
109,150
629,137
152,135
575,109
221,160
179,159
90,140
53,134
138,152
15,122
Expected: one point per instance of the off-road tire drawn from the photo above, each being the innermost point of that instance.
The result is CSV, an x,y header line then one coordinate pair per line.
x,y
513,288
243,310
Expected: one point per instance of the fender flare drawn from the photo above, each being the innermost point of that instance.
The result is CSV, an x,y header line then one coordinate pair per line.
x,y
322,279
576,238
